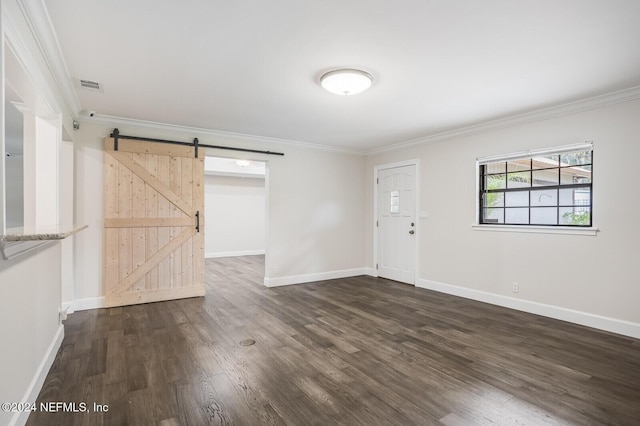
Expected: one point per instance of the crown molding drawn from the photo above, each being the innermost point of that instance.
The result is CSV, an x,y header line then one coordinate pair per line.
x,y
42,29
25,58
594,102
109,120
46,38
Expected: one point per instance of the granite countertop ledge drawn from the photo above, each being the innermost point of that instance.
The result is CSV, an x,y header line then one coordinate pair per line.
x,y
45,234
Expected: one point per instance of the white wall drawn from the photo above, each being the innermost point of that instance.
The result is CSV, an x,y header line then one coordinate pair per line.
x,y
235,216
30,334
588,279
88,244
14,192
14,181
314,225
315,216
30,285
67,219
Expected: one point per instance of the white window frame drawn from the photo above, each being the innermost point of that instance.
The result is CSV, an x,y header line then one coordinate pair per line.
x,y
538,229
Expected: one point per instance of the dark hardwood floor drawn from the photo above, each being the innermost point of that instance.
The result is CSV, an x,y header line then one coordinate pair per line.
x,y
361,351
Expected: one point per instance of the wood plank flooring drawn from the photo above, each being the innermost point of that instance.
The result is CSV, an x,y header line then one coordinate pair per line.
x,y
355,351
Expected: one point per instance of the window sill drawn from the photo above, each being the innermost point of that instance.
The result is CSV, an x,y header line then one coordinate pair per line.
x,y
566,230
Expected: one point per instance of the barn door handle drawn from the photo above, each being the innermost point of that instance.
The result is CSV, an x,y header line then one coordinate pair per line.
x,y
198,221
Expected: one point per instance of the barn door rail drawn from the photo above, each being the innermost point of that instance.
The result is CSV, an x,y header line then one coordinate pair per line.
x,y
196,144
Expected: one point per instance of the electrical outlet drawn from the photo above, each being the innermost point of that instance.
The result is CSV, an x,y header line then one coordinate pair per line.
x,y
515,287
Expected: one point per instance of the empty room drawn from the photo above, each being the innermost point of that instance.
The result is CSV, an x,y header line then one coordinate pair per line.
x,y
319,213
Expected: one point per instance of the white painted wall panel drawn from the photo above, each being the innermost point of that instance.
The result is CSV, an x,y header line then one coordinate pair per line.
x,y
235,210
13,167
29,301
594,275
14,192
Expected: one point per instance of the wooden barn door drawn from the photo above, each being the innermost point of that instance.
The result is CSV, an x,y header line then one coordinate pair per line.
x,y
154,200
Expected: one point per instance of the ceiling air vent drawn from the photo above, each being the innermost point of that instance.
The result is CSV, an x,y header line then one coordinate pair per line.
x,y
92,86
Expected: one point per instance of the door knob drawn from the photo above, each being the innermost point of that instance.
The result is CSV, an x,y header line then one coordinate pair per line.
x,y
412,232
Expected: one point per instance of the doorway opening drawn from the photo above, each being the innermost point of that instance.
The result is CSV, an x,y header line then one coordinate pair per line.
x,y
235,197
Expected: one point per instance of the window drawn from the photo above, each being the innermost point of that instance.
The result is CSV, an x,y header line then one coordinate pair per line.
x,y
548,188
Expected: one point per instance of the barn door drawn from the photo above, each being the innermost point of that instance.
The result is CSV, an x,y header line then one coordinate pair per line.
x,y
154,199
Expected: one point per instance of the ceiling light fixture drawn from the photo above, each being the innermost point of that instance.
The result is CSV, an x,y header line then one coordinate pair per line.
x,y
346,81
243,163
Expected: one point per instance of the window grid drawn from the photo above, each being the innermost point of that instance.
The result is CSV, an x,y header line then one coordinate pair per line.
x,y
578,206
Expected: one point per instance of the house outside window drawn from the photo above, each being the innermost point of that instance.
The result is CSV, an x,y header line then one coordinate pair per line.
x,y
543,188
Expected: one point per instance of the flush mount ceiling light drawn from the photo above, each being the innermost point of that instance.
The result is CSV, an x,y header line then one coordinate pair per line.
x,y
243,163
346,81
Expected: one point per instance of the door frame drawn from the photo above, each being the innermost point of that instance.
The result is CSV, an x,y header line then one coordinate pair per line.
x,y
376,169
266,190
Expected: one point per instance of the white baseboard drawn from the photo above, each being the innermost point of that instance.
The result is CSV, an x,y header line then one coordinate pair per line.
x,y
213,255
20,418
372,272
88,303
98,302
319,276
613,325
68,307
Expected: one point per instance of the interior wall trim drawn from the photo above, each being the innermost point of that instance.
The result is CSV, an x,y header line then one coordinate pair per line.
x,y
569,108
27,60
318,276
217,254
599,322
575,107
88,303
45,36
131,123
42,29
31,394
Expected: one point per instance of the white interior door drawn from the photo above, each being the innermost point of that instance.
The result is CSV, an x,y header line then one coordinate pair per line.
x,y
397,223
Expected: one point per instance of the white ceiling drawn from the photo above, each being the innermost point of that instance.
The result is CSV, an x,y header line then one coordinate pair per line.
x,y
229,167
253,67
